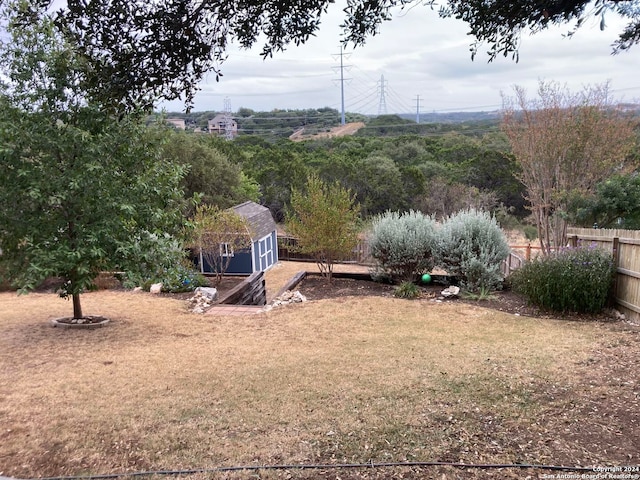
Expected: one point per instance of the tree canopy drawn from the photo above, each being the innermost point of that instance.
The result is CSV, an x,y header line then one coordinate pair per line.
x,y
211,174
565,143
81,191
141,50
216,234
323,219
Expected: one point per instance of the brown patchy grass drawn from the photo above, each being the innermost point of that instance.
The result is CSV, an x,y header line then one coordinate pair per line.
x,y
345,380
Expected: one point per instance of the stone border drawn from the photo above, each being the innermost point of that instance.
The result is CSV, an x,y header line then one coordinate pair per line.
x,y
55,322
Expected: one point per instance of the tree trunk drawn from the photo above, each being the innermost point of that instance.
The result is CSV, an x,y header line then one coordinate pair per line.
x,y
77,308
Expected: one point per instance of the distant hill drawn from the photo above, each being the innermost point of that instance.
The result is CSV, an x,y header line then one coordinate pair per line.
x,y
453,117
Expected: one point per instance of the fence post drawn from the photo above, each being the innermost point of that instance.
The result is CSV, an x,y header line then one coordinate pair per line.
x,y
573,241
527,253
616,261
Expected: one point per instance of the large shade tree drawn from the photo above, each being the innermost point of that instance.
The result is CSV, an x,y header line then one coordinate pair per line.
x,y
81,190
139,50
565,144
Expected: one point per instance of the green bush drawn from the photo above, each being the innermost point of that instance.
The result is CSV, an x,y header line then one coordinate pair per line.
x,y
574,280
181,278
408,290
161,259
472,246
530,232
402,244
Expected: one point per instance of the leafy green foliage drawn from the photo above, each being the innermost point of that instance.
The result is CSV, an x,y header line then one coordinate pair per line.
x,y
377,183
530,232
615,204
408,290
75,198
472,246
323,220
79,188
218,234
573,280
437,175
210,173
278,171
403,244
136,52
160,259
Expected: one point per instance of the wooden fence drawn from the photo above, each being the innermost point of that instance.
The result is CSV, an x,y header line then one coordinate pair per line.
x,y
625,248
519,254
513,262
286,251
361,255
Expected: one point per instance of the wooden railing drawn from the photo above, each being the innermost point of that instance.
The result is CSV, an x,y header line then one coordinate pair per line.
x,y
251,291
360,254
513,262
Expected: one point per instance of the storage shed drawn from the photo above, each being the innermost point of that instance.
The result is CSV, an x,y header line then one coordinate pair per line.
x,y
264,242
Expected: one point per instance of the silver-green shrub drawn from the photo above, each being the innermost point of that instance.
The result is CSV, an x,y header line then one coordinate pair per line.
x,y
471,245
402,244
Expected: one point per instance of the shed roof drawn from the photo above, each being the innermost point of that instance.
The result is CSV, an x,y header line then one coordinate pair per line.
x,y
261,222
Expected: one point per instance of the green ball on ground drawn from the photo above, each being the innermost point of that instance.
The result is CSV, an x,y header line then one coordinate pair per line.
x,y
426,278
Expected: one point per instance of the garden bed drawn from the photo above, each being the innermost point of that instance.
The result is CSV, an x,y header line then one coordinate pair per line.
x,y
315,287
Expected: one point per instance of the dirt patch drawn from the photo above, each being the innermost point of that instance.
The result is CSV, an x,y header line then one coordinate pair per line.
x,y
340,131
316,287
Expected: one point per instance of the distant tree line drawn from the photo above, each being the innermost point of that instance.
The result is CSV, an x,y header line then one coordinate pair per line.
x,y
456,166
437,175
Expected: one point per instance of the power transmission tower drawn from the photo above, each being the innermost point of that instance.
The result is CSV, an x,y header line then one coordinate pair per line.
x,y
342,68
227,120
418,109
382,105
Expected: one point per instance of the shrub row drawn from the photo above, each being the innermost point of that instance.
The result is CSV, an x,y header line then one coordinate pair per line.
x,y
469,245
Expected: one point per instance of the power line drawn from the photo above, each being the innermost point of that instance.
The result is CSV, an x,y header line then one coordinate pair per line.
x,y
399,102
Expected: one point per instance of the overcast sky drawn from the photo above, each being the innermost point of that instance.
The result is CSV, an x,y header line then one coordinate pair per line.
x,y
419,55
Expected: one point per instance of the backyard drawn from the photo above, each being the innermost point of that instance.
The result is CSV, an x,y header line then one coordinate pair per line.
x,y
349,379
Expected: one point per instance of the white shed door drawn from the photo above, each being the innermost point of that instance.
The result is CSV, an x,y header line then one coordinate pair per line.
x,y
265,252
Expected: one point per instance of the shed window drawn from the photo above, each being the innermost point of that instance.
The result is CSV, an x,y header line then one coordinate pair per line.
x,y
226,250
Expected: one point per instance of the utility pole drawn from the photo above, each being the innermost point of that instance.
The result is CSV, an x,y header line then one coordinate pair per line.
x,y
227,119
382,105
418,109
342,79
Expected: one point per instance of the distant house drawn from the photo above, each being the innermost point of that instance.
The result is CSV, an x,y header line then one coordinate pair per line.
x,y
218,125
177,122
263,253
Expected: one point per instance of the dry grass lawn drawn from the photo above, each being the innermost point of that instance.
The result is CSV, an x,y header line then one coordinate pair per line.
x,y
351,380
